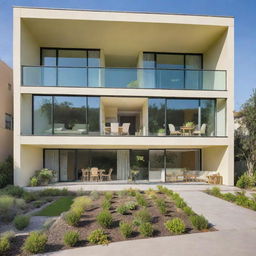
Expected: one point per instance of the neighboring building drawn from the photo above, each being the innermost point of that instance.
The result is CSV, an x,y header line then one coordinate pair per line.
x,y
6,111
125,91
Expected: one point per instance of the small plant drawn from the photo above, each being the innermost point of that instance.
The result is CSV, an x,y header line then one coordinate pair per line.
x,y
125,229
188,210
34,181
105,219
35,242
146,229
122,209
131,206
142,216
9,206
55,192
72,217
180,203
98,236
38,203
141,200
199,222
21,221
215,191
229,197
106,204
4,245
151,193
30,196
246,181
95,195
71,238
131,192
14,191
82,202
108,195
175,226
161,205
122,193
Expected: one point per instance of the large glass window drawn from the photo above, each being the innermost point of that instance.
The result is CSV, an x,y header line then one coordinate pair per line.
x,y
181,163
42,116
156,165
70,115
156,116
139,163
67,165
182,116
51,161
93,115
207,108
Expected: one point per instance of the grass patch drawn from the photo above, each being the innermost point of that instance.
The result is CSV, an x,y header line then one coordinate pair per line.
x,y
57,207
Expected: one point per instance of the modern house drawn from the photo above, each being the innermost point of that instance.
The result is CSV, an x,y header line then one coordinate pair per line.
x,y
123,91
6,111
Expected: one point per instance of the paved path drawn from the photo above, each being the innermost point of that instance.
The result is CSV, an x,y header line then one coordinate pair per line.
x,y
236,235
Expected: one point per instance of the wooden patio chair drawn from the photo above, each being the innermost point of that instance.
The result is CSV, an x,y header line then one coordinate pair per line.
x,y
108,176
94,174
125,128
114,127
85,174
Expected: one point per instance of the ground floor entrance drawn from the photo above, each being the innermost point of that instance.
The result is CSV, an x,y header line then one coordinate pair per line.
x,y
153,165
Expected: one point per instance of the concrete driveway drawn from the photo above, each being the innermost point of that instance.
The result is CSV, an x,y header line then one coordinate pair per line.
x,y
236,235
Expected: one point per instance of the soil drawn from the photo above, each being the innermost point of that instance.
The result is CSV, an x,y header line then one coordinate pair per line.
x,y
88,223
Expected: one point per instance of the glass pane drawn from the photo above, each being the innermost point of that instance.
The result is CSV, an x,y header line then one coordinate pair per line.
x,y
180,163
207,118
139,164
221,117
42,115
157,169
49,76
193,61
156,116
72,58
51,161
72,77
148,60
94,115
32,76
170,79
170,61
70,115
49,57
214,80
182,116
67,165
93,58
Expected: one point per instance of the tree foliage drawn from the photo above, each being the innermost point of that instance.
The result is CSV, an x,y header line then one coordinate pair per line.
x,y
245,136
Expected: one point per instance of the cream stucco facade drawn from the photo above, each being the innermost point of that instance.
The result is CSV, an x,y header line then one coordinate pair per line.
x,y
6,111
121,38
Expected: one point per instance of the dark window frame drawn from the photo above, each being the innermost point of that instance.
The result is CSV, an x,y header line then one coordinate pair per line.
x,y
8,121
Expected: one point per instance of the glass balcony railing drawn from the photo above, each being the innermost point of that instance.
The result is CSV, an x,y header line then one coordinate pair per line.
x,y
178,79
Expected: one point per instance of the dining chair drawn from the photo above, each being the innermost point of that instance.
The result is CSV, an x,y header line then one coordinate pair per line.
x,y
94,174
125,128
108,176
114,128
201,131
173,130
85,174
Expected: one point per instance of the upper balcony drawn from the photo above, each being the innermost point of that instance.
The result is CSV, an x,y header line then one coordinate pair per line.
x,y
147,78
116,50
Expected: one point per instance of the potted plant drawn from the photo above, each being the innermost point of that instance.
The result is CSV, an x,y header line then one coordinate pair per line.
x,y
161,132
189,124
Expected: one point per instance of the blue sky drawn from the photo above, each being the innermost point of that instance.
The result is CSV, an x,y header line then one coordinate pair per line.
x,y
244,12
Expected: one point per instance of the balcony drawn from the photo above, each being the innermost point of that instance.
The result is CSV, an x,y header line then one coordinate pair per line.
x,y
146,78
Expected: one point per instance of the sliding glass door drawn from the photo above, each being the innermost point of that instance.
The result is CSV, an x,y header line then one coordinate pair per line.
x,y
156,165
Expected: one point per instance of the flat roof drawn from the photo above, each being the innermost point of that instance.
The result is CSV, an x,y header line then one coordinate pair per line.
x,y
115,11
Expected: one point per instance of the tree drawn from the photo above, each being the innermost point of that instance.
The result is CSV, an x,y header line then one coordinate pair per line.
x,y
246,135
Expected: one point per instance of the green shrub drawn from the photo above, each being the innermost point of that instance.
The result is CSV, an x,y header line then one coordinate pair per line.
x,y
176,196
72,217
199,222
71,238
125,229
4,245
162,189
179,202
146,229
105,219
8,208
6,172
82,202
229,197
188,211
8,234
141,200
55,192
142,216
21,221
30,196
151,193
161,204
12,190
108,195
34,181
35,242
106,204
215,191
98,236
246,181
131,192
122,209
175,226
122,193
38,203
131,206
95,195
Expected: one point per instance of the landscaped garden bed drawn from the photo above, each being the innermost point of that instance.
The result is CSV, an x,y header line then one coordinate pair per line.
x,y
101,218
238,198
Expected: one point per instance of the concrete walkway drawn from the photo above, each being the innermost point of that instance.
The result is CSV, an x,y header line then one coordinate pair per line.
x,y
236,235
